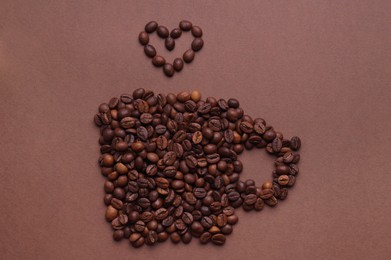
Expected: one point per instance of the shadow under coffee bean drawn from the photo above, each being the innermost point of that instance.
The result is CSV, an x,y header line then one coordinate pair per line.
x,y
172,169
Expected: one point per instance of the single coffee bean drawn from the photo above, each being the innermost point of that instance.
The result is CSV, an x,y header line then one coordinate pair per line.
x,y
176,33
188,56
162,31
205,237
168,69
197,44
295,143
185,25
143,38
218,239
169,43
196,31
151,27
178,64
158,61
150,51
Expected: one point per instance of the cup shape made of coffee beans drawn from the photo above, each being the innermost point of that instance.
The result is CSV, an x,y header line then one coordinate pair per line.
x,y
177,65
172,168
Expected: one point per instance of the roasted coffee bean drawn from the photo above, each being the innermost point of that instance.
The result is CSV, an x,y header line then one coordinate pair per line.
x,y
162,31
205,237
188,56
196,31
221,220
176,33
178,64
218,239
276,145
158,61
169,43
151,27
143,38
169,158
197,44
185,25
168,69
295,143
150,51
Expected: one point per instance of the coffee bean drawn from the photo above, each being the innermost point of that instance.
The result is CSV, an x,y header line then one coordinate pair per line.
x,y
150,51
162,31
168,69
218,239
283,180
151,27
176,33
196,31
158,61
143,38
197,44
276,145
295,143
169,43
178,64
188,56
185,25
205,237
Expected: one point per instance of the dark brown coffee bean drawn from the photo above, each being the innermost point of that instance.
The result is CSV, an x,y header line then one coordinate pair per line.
x,y
150,51
139,226
199,193
158,61
169,158
271,201
250,199
142,106
185,25
161,214
283,194
246,127
168,70
142,133
191,162
162,31
143,38
276,145
282,169
197,44
218,239
177,184
196,31
151,27
169,43
169,171
178,64
176,33
233,196
188,56
167,221
187,218
295,143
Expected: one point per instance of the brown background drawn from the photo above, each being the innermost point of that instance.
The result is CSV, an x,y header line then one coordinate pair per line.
x,y
317,69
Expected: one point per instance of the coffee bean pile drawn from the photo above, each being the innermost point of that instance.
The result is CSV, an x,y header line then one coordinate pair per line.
x,y
162,31
172,168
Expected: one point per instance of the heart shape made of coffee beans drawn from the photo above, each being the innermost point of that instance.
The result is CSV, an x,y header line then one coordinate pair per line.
x,y
162,31
172,169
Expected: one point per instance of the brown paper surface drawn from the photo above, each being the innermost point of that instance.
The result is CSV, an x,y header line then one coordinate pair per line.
x,y
317,69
